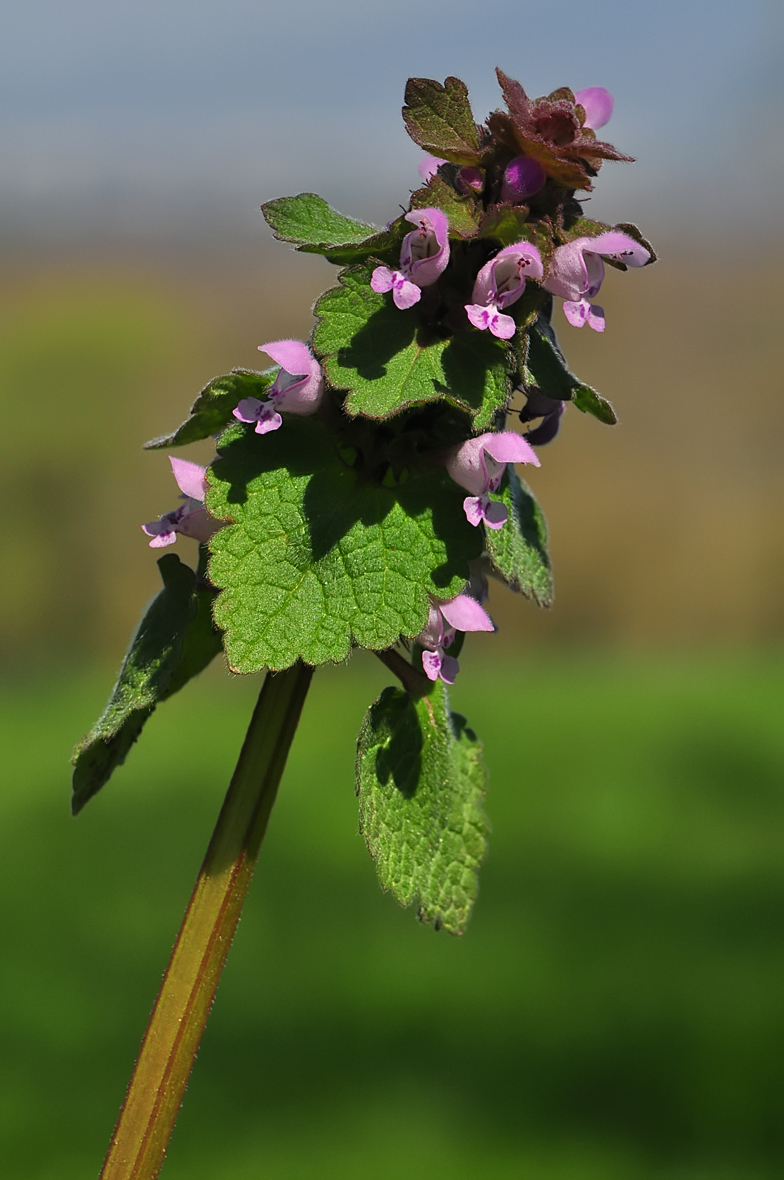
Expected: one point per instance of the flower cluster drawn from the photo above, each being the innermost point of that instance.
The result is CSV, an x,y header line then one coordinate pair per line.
x,y
439,322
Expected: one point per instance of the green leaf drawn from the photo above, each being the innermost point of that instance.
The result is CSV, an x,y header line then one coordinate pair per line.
x,y
518,551
321,557
421,785
387,360
316,228
212,409
509,225
591,402
439,119
463,212
553,376
175,640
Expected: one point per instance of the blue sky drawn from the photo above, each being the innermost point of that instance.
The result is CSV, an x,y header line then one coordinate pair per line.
x,y
158,112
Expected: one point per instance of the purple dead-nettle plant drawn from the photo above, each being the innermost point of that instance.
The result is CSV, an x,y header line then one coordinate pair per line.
x,y
432,371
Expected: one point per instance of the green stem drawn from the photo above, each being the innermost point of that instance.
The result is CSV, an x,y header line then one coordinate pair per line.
x,y
172,1038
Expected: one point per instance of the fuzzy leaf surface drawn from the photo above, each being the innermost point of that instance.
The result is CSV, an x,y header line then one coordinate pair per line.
x,y
386,360
421,785
213,408
439,119
463,212
518,551
553,376
319,557
316,228
175,641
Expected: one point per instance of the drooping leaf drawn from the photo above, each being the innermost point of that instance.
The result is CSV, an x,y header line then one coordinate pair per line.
x,y
439,119
518,551
320,556
421,784
591,402
553,376
213,408
463,212
175,640
316,228
387,360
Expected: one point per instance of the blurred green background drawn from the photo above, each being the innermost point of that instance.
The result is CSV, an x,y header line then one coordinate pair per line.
x,y
614,1009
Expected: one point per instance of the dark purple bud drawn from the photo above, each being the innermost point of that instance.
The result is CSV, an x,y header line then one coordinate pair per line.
x,y
522,178
469,180
548,428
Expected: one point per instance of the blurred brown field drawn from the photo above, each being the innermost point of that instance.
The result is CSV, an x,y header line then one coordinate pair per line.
x,y
667,530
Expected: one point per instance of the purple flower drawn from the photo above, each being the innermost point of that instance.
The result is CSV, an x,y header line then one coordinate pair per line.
x,y
423,257
500,283
191,518
523,177
598,105
298,387
577,271
479,465
428,166
462,613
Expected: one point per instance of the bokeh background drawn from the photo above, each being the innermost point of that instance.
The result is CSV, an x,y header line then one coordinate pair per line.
x,y
614,1009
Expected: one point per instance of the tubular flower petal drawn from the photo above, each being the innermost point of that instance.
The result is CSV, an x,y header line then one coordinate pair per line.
x,y
424,255
462,613
500,283
577,272
191,518
598,105
428,166
297,389
478,465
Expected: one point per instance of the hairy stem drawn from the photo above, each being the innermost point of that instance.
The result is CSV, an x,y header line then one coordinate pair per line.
x,y
166,1057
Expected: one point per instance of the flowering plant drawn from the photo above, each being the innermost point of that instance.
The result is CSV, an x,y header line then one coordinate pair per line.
x,y
334,515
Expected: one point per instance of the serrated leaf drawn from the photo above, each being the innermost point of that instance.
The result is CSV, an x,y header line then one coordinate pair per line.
x,y
175,641
463,212
555,379
213,408
439,119
320,557
316,228
421,785
518,551
386,360
505,223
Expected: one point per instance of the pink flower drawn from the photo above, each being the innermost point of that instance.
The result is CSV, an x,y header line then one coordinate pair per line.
x,y
577,272
423,257
428,166
500,283
191,518
479,465
297,389
523,177
598,105
462,613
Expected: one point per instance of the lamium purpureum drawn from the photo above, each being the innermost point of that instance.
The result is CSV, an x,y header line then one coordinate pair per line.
x,y
334,515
